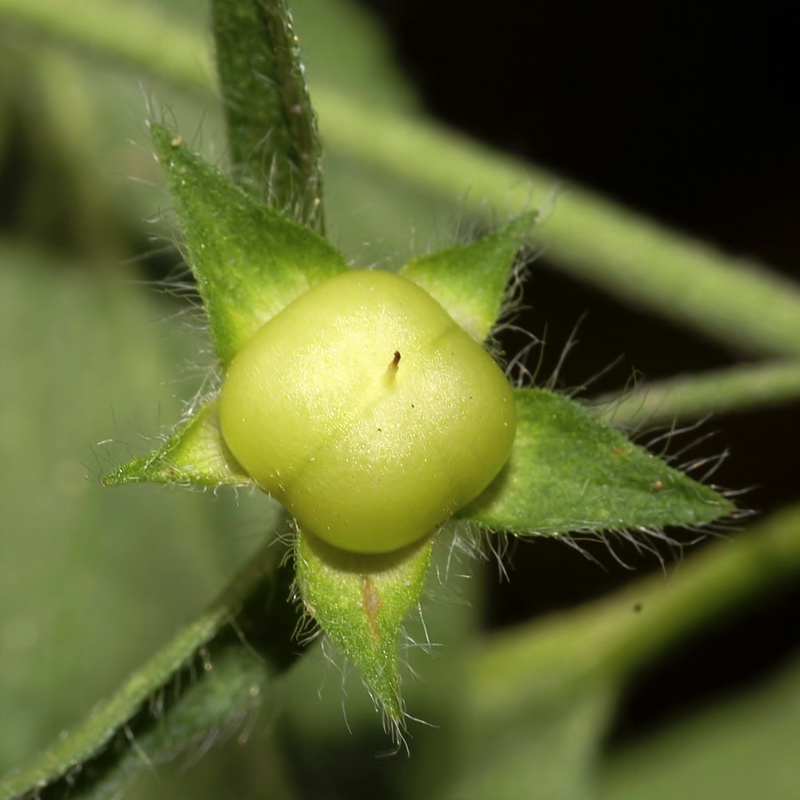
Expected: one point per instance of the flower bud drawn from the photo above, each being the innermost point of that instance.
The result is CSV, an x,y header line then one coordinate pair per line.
x,y
368,411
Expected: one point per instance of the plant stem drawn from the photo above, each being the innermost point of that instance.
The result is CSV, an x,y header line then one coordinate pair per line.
x,y
134,34
725,575
738,388
681,278
611,639
206,678
252,40
740,304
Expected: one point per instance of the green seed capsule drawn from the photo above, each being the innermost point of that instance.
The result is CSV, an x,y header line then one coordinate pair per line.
x,y
368,411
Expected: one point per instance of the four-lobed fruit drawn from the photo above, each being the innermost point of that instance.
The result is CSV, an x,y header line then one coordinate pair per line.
x,y
368,411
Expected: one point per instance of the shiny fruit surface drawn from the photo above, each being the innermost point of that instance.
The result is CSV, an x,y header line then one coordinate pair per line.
x,y
368,411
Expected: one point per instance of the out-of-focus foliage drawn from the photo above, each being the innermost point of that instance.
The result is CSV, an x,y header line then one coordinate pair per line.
x,y
93,580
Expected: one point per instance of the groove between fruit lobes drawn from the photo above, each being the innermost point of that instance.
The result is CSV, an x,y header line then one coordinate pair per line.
x,y
368,411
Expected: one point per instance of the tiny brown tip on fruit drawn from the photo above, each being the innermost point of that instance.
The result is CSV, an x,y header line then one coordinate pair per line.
x,y
391,370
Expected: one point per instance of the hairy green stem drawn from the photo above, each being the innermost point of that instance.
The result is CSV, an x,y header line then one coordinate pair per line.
x,y
633,257
253,40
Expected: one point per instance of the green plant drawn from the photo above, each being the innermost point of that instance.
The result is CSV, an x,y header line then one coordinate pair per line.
x,y
590,477
368,411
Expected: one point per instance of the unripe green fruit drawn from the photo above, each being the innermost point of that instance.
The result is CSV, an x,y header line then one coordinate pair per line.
x,y
368,411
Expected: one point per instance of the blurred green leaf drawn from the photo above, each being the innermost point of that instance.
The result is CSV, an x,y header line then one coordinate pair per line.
x,y
548,687
625,253
345,45
745,747
548,748
93,581
203,680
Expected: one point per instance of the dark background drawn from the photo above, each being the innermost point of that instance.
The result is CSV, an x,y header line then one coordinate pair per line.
x,y
686,112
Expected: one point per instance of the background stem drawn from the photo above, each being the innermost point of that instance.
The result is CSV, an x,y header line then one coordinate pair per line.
x,y
741,304
687,397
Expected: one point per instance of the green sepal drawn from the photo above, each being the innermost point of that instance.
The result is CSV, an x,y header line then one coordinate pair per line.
x,y
570,472
272,128
471,281
248,260
196,455
360,602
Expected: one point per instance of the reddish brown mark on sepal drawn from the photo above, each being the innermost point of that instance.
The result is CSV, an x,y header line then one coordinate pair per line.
x,y
371,602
